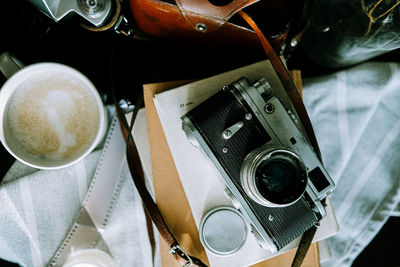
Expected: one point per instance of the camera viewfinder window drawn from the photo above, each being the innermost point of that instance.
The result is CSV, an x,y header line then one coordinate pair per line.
x,y
318,179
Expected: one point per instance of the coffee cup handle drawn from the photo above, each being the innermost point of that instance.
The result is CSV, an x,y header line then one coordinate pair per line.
x,y
9,64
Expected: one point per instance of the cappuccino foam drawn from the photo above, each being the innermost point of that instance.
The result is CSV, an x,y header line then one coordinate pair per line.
x,y
53,116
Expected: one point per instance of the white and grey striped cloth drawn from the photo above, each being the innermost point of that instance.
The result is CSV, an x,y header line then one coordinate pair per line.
x,y
38,208
356,117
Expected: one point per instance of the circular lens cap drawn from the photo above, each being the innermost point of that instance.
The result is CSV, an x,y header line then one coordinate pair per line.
x,y
223,231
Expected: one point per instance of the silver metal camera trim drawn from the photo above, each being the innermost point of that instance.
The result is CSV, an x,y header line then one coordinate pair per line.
x,y
247,212
281,120
250,165
58,9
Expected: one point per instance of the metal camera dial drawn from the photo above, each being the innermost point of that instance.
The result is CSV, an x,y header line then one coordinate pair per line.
x,y
232,198
256,234
263,88
189,134
92,8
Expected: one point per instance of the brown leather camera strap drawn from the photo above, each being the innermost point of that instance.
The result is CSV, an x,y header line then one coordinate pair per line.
x,y
151,207
295,97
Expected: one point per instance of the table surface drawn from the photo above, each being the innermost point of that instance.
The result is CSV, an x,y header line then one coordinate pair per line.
x,y
33,37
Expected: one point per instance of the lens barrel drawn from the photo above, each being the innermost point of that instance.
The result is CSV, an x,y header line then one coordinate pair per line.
x,y
273,177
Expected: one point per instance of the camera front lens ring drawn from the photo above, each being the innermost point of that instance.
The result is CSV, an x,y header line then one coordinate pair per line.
x,y
274,177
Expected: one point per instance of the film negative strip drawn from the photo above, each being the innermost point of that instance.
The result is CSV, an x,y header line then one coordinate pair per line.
x,y
99,200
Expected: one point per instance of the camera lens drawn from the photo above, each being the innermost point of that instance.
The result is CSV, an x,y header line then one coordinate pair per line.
x,y
279,180
274,177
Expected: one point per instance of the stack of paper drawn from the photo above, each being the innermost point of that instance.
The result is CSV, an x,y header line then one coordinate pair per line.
x,y
200,181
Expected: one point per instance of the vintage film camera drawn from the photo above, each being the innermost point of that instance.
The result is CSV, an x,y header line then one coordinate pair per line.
x,y
271,172
94,11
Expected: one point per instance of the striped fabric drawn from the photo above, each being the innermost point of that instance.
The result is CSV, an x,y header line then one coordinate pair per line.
x,y
38,208
356,116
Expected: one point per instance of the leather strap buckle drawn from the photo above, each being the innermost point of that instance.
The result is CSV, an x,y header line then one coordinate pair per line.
x,y
181,256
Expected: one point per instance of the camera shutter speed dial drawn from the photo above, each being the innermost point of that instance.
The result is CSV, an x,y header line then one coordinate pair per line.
x,y
263,88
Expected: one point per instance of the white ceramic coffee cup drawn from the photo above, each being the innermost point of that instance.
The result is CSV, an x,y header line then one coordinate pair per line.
x,y
14,83
89,258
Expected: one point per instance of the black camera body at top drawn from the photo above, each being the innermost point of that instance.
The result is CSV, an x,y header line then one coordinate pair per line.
x,y
271,172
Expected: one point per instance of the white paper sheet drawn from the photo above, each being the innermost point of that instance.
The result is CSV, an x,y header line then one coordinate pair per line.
x,y
200,179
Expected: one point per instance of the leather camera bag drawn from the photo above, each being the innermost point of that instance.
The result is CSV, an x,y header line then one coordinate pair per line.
x,y
217,23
